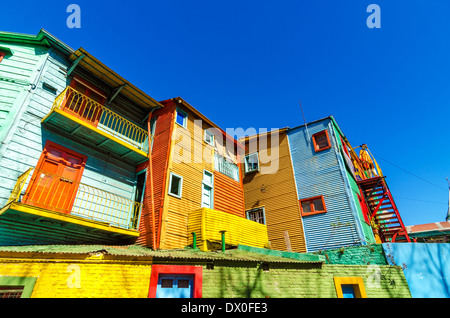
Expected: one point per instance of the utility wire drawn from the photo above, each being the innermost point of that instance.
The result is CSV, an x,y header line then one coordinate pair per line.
x,y
413,174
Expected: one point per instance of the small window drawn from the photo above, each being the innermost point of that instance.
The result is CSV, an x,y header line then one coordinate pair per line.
x,y
350,287
256,215
166,283
209,137
11,291
2,55
321,141
313,205
175,185
251,162
181,118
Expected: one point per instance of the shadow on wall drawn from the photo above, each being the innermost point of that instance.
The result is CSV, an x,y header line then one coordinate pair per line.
x,y
426,267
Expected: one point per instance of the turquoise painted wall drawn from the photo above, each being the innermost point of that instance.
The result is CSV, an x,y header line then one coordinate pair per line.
x,y
426,267
24,136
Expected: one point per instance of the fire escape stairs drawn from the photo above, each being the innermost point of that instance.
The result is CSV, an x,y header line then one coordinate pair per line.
x,y
383,210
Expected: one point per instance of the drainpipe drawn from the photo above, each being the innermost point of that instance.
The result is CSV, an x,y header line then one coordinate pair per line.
x,y
194,239
223,240
150,137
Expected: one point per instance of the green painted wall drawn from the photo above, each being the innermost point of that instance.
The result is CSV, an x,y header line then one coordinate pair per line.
x,y
231,280
372,254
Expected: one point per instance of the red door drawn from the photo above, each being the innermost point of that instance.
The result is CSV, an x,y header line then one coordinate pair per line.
x,y
55,181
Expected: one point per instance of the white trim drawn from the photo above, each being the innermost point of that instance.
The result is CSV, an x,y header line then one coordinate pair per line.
x,y
180,188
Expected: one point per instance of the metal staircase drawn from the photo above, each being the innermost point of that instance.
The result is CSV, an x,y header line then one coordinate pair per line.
x,y
383,211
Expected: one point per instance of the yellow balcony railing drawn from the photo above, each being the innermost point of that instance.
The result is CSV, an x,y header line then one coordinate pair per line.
x,y
102,118
60,194
208,226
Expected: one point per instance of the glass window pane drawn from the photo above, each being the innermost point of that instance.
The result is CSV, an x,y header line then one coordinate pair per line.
x,y
348,291
321,141
183,283
181,118
175,185
166,283
306,206
318,205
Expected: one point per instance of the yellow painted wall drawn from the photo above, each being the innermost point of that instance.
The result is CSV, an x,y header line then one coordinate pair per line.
x,y
189,156
80,279
276,192
207,224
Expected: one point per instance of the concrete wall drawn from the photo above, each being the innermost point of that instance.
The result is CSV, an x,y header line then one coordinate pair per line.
x,y
426,267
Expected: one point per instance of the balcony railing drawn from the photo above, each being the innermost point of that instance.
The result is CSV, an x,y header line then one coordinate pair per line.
x,y
102,118
226,167
56,193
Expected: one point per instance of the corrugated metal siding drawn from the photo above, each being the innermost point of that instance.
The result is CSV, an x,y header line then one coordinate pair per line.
x,y
228,195
320,174
277,194
208,223
24,143
188,163
160,152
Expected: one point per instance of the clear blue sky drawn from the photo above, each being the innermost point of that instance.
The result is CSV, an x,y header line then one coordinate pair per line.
x,y
248,63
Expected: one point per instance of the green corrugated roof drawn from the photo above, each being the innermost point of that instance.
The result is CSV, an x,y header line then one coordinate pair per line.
x,y
239,254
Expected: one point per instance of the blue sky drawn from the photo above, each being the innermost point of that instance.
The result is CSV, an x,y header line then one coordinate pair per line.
x,y
248,63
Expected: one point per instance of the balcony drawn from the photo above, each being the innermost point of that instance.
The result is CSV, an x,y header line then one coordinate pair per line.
x,y
208,226
44,208
79,117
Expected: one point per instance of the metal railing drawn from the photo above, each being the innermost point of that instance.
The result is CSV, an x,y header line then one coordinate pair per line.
x,y
57,193
100,117
226,167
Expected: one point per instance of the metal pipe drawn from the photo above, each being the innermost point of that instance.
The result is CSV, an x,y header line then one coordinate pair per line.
x,y
194,239
223,240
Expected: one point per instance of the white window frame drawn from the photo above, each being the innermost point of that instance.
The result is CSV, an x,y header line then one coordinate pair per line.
x,y
184,125
212,135
208,184
246,162
247,214
180,186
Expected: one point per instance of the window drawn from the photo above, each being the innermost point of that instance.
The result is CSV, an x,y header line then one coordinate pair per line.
x,y
226,167
181,118
16,287
313,205
2,55
350,287
175,185
251,162
321,141
209,137
176,281
207,190
256,215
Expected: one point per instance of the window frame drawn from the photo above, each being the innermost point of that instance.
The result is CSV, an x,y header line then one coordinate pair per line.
x,y
357,282
323,132
27,283
212,139
184,125
246,163
180,186
195,271
247,214
311,199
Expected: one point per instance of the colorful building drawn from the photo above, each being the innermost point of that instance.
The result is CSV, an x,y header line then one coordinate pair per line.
x,y
336,198
99,271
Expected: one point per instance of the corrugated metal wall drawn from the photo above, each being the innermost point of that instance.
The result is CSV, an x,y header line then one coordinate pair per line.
x,y
160,153
321,174
228,195
276,192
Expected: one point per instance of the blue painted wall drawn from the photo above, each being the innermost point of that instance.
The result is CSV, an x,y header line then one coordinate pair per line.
x,y
427,268
323,173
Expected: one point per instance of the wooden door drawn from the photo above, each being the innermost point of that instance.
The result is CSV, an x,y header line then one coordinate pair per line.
x,y
55,181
